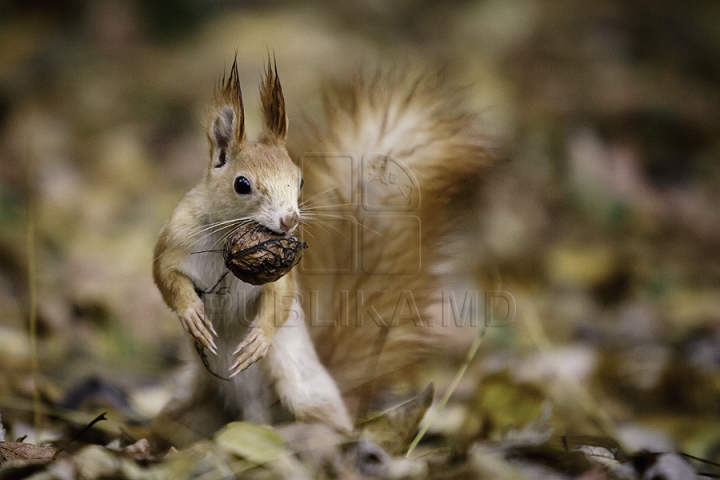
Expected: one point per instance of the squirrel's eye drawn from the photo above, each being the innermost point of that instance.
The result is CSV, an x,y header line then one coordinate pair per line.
x,y
302,182
242,185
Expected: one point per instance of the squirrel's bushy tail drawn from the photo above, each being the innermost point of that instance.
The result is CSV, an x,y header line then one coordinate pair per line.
x,y
388,173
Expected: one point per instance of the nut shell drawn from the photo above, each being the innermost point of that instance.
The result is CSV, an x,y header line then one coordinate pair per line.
x,y
257,255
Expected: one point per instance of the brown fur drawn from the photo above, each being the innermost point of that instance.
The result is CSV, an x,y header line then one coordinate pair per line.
x,y
420,122
273,102
229,93
239,351
387,123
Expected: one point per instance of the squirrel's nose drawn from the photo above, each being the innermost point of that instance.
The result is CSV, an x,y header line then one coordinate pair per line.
x,y
289,222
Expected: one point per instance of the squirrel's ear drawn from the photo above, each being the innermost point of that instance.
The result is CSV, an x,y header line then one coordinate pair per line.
x,y
227,124
273,104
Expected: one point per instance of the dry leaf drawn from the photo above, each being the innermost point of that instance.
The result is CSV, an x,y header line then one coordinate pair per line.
x,y
95,461
256,443
395,428
140,452
26,452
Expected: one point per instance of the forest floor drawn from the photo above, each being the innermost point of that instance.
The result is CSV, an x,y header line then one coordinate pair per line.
x,y
603,226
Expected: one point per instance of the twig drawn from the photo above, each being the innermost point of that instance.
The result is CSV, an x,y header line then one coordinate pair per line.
x,y
477,341
698,459
97,419
206,363
22,404
32,290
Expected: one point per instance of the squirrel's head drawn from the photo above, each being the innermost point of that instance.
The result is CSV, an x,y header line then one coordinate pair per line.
x,y
252,180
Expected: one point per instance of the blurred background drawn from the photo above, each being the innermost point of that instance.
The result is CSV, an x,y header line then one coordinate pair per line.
x,y
604,225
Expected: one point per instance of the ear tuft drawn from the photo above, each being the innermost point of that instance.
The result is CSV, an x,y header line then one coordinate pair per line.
x,y
273,104
228,115
221,134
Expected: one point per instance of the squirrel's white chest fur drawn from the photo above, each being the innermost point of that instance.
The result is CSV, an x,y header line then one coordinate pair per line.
x,y
291,365
231,305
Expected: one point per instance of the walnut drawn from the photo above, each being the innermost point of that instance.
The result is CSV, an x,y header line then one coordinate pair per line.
x,y
257,255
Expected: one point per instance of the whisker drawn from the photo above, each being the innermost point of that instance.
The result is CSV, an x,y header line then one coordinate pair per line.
x,y
323,227
322,224
313,217
306,231
178,247
231,227
213,227
317,195
316,207
224,238
374,231
223,222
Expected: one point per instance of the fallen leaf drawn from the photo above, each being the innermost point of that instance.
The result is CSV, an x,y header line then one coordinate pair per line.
x,y
95,461
507,404
394,429
599,455
140,452
26,452
257,443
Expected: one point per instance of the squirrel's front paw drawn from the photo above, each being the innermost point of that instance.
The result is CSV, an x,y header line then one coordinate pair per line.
x,y
196,324
254,347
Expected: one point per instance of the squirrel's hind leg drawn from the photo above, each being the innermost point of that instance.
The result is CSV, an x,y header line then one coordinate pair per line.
x,y
302,382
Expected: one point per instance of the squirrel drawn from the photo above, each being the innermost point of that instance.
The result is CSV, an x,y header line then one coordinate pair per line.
x,y
331,333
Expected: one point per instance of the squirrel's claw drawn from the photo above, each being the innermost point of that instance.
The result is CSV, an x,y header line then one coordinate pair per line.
x,y
254,347
195,323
